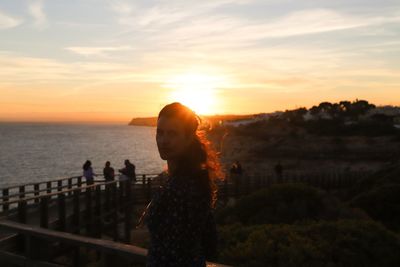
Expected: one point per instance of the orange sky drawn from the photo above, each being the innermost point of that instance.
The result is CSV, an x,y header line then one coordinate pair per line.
x,y
114,61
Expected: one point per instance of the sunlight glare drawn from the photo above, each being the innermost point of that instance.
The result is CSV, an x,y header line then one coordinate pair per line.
x,y
196,90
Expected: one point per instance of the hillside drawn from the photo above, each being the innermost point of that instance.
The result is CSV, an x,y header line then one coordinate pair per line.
x,y
327,137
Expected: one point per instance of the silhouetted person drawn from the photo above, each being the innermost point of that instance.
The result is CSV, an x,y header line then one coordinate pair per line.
x,y
108,172
88,172
236,171
279,171
233,169
180,218
129,171
239,169
236,175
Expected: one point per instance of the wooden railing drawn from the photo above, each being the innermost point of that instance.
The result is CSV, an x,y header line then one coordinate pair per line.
x,y
235,186
89,206
32,191
84,209
33,237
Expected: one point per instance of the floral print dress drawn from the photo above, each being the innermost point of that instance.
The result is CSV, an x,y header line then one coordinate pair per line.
x,y
176,221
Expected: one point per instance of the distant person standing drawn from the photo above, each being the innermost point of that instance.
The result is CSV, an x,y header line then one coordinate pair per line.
x,y
279,171
239,169
88,172
236,169
232,170
236,176
108,172
129,171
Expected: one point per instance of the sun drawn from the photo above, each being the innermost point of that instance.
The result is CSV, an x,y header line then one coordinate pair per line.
x,y
198,91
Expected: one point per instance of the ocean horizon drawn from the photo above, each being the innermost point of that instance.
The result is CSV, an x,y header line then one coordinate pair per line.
x,y
41,151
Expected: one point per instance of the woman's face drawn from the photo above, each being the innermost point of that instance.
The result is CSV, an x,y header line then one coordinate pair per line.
x,y
171,138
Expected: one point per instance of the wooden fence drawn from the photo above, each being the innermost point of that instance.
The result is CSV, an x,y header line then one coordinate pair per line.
x,y
70,211
34,255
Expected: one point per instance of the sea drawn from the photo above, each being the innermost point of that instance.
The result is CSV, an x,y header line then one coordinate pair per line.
x,y
34,152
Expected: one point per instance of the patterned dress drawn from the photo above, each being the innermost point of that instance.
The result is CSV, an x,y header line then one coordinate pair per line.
x,y
177,220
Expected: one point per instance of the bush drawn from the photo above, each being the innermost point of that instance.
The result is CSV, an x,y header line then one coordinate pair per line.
x,y
381,204
389,174
285,203
333,244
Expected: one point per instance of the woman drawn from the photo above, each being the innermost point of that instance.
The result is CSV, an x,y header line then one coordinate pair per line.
x,y
88,172
179,218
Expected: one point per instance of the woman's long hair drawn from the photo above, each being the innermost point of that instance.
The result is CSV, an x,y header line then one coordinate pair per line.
x,y
200,160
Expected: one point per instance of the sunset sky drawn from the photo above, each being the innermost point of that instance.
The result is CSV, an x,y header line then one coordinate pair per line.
x,y
98,60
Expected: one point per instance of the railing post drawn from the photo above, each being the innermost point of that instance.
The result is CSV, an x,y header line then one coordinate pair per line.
x,y
69,186
128,211
48,186
22,210
79,182
21,219
107,203
97,212
44,212
76,212
5,199
114,216
144,179
61,212
36,189
59,185
121,194
22,191
89,211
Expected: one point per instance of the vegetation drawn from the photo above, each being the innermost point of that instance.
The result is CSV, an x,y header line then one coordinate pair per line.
x,y
388,175
333,119
298,225
286,203
342,243
381,204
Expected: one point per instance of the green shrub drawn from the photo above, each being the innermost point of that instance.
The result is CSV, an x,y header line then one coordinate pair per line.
x,y
381,204
389,174
285,203
333,244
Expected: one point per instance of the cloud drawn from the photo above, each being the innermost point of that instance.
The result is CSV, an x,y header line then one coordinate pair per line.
x,y
23,70
7,21
122,8
167,12
318,21
96,50
36,11
228,30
